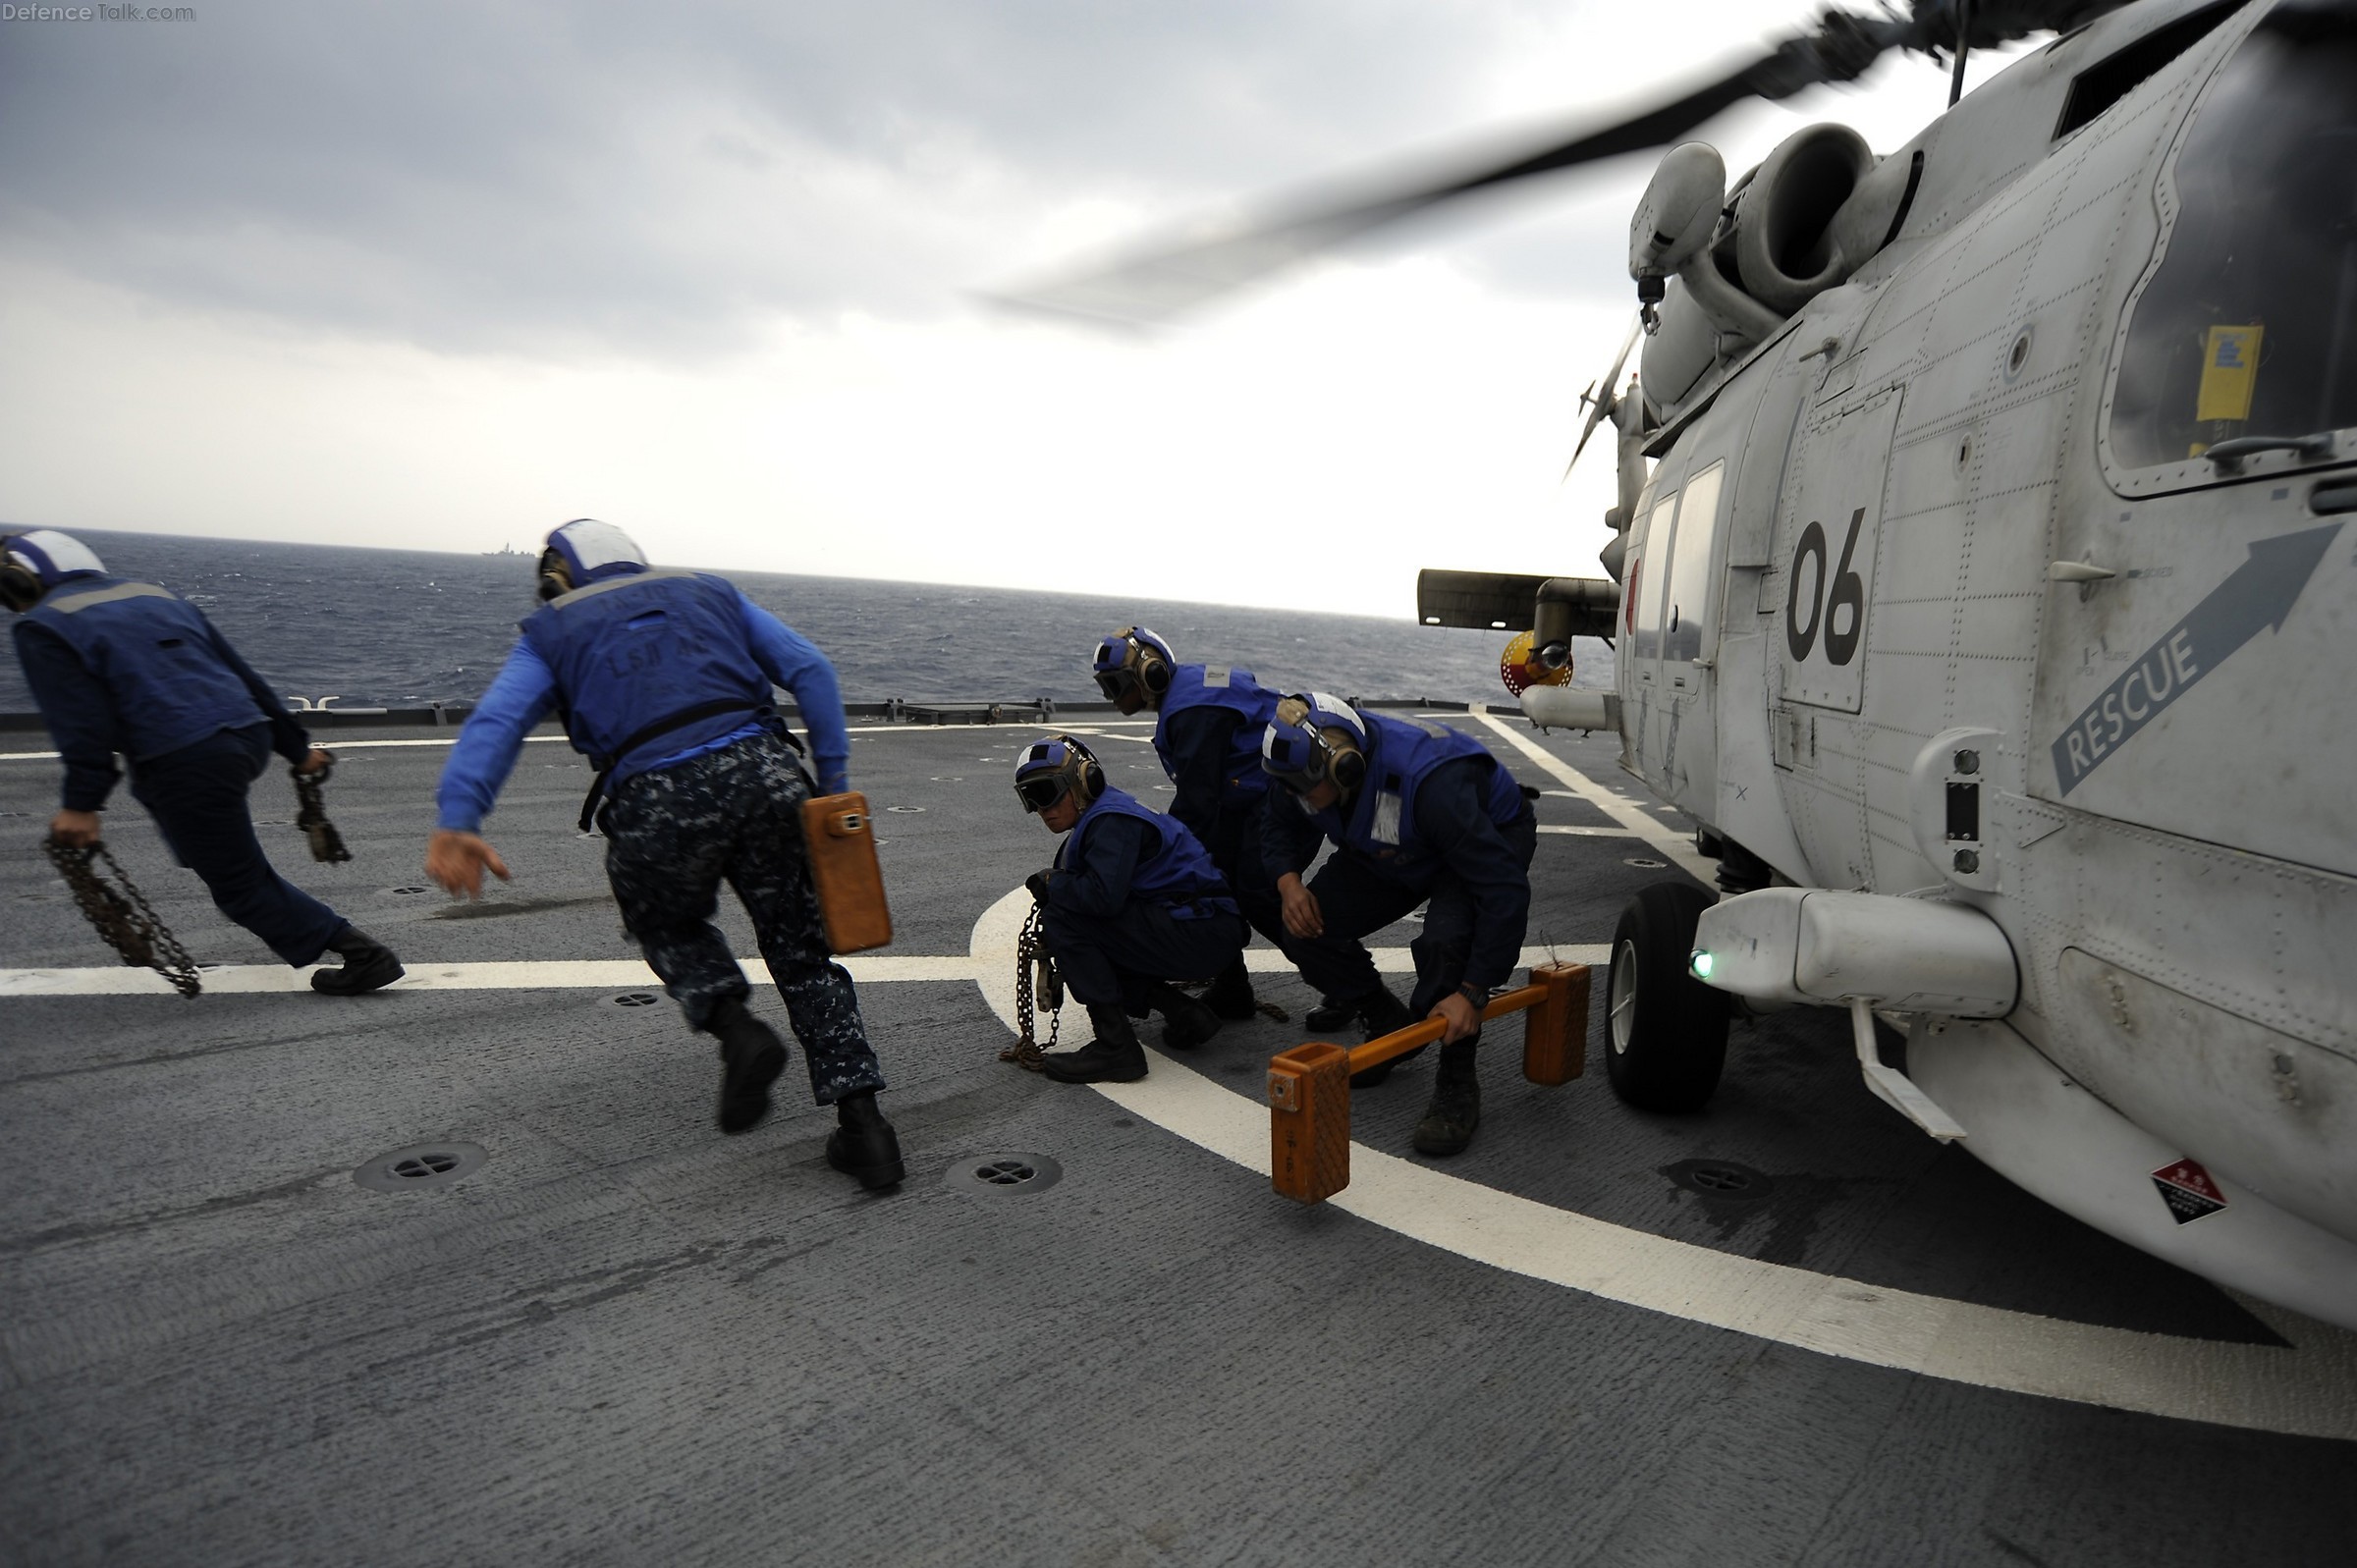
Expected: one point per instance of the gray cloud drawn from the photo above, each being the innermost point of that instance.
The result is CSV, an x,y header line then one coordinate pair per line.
x,y
656,179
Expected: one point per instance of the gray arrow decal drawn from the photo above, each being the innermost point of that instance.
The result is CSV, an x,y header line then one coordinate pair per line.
x,y
2258,594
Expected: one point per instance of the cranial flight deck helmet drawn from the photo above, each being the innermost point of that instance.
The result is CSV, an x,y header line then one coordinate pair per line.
x,y
1135,659
1315,738
33,562
1050,768
581,552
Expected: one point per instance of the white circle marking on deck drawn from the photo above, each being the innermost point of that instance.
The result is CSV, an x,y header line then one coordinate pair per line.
x,y
2309,1391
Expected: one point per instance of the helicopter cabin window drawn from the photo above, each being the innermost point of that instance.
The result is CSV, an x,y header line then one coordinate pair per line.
x,y
2248,325
1644,586
1687,582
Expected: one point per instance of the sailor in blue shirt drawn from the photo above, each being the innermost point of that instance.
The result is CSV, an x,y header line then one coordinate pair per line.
x,y
1131,903
664,679
1419,814
1207,724
131,669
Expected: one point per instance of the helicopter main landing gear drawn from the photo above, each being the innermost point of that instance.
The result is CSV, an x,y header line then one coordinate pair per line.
x,y
1664,1031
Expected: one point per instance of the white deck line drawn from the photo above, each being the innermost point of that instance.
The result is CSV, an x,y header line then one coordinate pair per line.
x,y
452,737
2307,1390
1678,846
590,974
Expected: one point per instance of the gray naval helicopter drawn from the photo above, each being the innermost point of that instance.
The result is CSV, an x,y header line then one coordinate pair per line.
x,y
1980,587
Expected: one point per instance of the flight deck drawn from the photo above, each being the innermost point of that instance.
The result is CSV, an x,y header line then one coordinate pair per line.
x,y
462,1270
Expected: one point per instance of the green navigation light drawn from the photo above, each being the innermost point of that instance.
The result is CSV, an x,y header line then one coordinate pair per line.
x,y
1701,963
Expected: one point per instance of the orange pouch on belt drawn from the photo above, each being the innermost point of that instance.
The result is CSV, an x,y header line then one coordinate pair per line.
x,y
844,870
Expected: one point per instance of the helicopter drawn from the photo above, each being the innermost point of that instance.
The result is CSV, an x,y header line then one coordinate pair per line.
x,y
1980,587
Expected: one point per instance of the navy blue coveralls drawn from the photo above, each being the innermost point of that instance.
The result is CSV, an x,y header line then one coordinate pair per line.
x,y
1438,822
1207,734
1133,898
129,668
665,679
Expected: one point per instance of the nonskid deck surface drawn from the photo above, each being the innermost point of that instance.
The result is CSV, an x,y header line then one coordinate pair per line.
x,y
624,1338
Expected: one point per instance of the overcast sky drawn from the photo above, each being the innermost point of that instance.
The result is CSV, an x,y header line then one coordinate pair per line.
x,y
442,276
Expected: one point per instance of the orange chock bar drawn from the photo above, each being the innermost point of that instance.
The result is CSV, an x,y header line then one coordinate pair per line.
x,y
1555,1031
1309,1121
1310,1086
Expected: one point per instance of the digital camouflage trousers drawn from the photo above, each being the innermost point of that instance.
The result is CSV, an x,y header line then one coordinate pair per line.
x,y
736,815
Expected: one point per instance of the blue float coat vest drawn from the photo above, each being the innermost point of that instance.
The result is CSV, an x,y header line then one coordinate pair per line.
x,y
630,651
1210,687
155,652
1402,753
1173,868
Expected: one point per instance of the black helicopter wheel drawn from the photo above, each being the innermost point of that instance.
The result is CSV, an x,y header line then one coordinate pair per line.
x,y
1664,1031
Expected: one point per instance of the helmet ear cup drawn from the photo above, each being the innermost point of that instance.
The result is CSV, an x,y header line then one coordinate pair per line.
x,y
555,580
19,589
1152,673
1091,779
1349,766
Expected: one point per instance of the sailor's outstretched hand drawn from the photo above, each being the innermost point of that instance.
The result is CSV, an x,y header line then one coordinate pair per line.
x,y
458,860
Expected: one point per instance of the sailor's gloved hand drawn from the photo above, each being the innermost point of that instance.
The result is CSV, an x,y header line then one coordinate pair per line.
x,y
458,860
318,762
1037,882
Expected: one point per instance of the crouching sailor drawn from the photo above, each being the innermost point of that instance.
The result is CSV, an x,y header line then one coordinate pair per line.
x,y
1420,814
663,679
1131,903
1207,725
131,668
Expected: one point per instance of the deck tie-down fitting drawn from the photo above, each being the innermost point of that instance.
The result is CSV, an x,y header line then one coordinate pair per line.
x,y
1310,1086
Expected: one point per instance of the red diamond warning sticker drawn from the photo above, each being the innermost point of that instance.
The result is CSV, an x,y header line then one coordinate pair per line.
x,y
2188,1190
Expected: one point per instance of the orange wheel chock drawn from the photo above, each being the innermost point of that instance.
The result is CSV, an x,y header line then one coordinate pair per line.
x,y
1310,1086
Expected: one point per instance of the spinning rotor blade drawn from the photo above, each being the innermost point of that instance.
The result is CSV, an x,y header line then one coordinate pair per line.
x,y
1611,388
1161,280
1170,278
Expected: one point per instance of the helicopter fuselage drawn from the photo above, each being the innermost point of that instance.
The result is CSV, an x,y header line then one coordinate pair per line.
x,y
1939,591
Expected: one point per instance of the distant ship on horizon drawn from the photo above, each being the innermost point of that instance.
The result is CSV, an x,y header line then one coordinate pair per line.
x,y
504,550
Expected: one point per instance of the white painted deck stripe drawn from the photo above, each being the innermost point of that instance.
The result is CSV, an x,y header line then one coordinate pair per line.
x,y
1678,846
1589,833
590,974
451,739
2308,1390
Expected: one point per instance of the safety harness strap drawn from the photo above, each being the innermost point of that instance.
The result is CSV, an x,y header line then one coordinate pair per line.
x,y
662,725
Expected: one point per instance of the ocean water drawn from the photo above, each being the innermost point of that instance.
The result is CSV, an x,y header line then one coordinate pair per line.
x,y
401,627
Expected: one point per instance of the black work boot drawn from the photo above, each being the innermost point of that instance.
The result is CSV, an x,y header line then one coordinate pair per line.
x,y
751,1057
1329,1015
1383,1014
1231,995
1114,1056
864,1146
369,965
1185,1022
1455,1109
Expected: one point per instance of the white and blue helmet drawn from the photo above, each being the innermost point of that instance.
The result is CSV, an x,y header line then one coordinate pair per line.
x,y
1312,738
586,550
1049,770
34,562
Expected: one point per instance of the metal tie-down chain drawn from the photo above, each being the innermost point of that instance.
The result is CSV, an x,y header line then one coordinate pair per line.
x,y
311,815
1036,985
121,915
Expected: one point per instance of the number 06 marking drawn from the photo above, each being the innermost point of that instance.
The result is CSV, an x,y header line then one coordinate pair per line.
x,y
1848,593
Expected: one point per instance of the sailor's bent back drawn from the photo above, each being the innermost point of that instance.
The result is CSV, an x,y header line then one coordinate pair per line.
x,y
629,652
167,683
